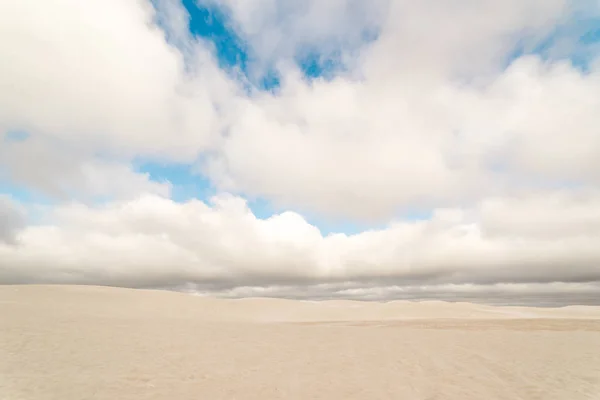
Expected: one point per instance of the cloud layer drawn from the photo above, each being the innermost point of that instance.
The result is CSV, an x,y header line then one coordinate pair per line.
x,y
155,242
482,118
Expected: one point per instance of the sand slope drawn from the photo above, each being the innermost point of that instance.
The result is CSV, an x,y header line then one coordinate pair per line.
x,y
69,342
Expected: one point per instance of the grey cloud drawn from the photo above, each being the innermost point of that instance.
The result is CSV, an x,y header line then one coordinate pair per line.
x,y
222,247
12,219
539,295
63,171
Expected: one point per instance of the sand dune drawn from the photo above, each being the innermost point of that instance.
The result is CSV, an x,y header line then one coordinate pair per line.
x,y
70,342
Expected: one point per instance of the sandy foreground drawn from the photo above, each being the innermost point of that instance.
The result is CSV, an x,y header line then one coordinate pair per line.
x,y
72,342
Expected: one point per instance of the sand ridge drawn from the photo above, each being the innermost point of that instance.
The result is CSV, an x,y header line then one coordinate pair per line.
x,y
73,342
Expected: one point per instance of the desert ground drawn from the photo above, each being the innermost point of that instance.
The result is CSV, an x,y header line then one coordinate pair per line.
x,y
74,342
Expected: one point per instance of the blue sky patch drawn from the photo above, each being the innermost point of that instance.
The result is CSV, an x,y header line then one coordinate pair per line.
x,y
23,194
210,23
315,65
16,136
186,184
577,41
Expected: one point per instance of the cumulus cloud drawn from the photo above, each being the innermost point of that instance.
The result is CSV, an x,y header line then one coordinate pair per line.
x,y
476,114
360,150
155,242
102,76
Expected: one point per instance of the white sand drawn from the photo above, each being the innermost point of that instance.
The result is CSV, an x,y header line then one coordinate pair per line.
x,y
103,343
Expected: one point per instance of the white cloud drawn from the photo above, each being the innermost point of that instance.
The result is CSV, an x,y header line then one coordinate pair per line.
x,y
361,149
566,213
425,115
154,241
95,85
101,75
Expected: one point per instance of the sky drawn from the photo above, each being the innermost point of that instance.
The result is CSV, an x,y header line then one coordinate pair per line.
x,y
371,150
